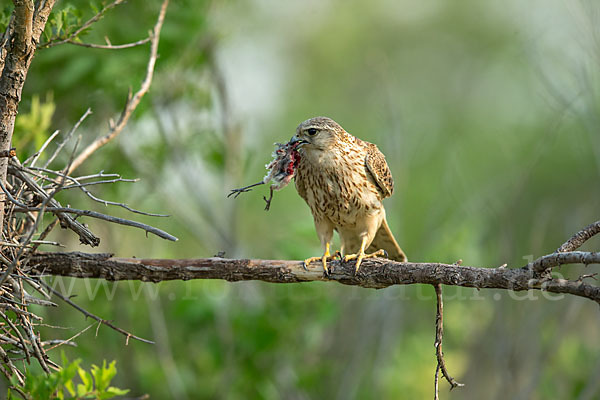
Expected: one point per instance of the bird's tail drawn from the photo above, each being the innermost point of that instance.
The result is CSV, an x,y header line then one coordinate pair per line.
x,y
384,239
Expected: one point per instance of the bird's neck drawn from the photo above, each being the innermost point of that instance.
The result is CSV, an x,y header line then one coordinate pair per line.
x,y
322,160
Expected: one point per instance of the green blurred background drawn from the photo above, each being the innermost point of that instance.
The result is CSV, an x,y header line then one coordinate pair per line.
x,y
488,113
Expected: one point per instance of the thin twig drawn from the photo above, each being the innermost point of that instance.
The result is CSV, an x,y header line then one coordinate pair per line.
x,y
91,196
48,199
36,346
68,137
95,317
580,238
61,342
19,391
132,102
18,311
33,282
83,27
436,384
555,259
85,235
70,340
102,182
110,46
100,174
45,233
19,335
13,369
89,213
439,334
47,242
34,157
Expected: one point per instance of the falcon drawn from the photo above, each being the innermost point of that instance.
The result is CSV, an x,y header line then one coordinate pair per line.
x,y
344,180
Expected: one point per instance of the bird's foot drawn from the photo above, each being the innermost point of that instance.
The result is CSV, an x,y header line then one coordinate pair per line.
x,y
324,259
236,192
361,256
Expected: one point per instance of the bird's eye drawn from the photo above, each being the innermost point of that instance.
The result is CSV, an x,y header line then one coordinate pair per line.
x,y
311,131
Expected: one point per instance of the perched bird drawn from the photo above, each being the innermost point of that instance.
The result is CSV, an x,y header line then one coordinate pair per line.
x,y
344,180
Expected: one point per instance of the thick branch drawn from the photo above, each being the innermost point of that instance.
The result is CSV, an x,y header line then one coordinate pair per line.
x,y
26,27
376,273
23,25
18,54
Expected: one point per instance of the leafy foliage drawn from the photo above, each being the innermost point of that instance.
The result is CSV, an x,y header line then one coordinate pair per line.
x,y
62,23
61,384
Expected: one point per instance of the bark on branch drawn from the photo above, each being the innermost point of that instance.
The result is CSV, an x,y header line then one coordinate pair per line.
x,y
16,54
375,273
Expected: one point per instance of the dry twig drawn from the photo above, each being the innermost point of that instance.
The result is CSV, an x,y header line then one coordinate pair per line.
x,y
111,46
132,101
94,214
71,38
93,316
580,238
439,333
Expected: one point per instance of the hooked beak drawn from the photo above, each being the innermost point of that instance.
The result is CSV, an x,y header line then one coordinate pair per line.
x,y
297,141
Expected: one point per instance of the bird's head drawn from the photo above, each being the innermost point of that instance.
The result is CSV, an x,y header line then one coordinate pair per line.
x,y
317,134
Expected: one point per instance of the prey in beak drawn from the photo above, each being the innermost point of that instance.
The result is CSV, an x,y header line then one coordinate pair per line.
x,y
282,169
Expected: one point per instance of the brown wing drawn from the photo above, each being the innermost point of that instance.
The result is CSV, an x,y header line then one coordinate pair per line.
x,y
377,166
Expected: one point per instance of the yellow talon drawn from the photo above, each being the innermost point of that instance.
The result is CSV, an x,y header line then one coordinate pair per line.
x,y
326,257
361,256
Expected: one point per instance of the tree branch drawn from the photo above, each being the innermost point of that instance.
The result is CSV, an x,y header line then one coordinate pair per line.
x,y
83,27
85,235
375,273
580,238
102,321
111,46
439,334
23,25
94,214
17,54
556,259
26,26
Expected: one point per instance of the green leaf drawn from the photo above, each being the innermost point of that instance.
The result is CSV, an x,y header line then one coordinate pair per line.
x,y
70,387
104,375
86,378
81,390
112,392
